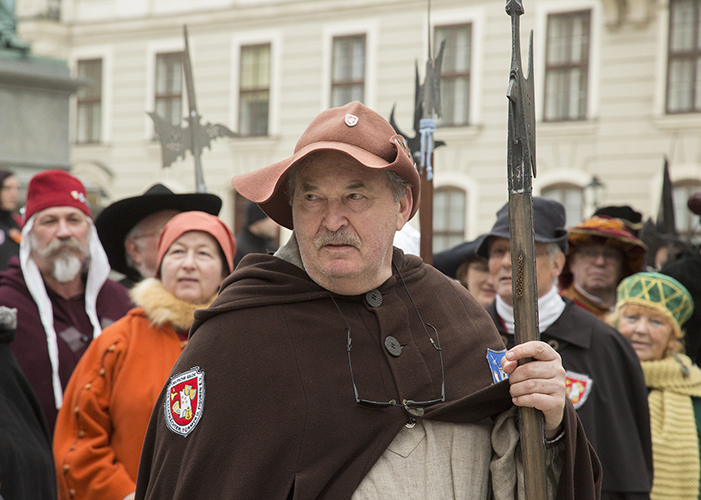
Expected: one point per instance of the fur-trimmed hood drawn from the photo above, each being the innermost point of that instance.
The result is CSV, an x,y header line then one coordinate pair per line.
x,y
163,307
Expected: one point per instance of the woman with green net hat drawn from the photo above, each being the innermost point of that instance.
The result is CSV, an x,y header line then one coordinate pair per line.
x,y
650,312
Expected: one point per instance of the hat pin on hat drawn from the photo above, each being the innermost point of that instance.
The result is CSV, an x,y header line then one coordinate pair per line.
x,y
351,120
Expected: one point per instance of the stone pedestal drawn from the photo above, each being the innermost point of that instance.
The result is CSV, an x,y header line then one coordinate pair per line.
x,y
34,113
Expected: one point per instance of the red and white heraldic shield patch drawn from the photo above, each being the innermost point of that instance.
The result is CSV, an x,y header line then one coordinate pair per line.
x,y
185,401
578,387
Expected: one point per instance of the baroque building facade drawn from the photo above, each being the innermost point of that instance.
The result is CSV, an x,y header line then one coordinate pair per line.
x,y
618,89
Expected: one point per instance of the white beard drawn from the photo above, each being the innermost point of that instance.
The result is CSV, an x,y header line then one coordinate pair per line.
x,y
66,268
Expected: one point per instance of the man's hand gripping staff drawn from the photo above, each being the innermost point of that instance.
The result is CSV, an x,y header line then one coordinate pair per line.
x,y
538,384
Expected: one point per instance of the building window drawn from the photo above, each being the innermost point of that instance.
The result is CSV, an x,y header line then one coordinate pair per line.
x,y
254,90
348,70
571,196
567,66
448,217
455,73
686,221
683,78
89,100
169,87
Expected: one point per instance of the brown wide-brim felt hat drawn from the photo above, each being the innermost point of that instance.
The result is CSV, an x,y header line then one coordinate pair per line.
x,y
354,130
605,231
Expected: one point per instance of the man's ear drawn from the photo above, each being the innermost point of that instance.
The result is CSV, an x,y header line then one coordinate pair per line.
x,y
405,206
558,264
133,250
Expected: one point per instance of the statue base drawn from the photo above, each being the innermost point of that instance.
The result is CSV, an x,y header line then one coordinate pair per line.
x,y
34,123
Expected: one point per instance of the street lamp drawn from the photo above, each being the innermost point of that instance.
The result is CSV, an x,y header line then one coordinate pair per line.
x,y
595,192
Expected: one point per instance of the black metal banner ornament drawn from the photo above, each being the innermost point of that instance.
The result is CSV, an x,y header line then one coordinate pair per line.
x,y
427,104
521,165
176,140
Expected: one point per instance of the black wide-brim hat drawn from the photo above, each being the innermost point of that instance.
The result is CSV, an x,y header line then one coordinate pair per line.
x,y
449,260
115,221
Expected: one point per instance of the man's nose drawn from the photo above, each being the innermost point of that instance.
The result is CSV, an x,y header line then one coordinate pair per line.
x,y
335,216
63,231
506,259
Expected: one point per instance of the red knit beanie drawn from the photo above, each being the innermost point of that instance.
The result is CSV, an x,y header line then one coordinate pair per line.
x,y
54,188
197,221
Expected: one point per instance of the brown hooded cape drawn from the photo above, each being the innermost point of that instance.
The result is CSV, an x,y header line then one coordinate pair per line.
x,y
280,419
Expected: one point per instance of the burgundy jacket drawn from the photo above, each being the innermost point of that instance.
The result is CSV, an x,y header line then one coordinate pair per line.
x,y
279,417
73,329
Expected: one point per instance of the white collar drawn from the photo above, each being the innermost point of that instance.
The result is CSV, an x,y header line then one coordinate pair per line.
x,y
550,307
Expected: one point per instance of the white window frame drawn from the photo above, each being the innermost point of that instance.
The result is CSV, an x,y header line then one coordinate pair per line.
x,y
152,50
471,188
570,176
540,35
367,27
477,18
106,53
274,38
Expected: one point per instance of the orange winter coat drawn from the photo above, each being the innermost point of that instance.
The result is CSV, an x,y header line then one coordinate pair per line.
x,y
107,404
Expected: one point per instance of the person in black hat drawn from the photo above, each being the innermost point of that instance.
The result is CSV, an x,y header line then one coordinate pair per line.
x,y
258,235
604,379
10,235
632,219
472,271
129,228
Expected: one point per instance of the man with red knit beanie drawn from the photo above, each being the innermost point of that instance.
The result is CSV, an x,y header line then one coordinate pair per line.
x,y
59,286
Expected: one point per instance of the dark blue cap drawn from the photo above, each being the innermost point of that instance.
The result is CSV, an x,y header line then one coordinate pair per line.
x,y
549,220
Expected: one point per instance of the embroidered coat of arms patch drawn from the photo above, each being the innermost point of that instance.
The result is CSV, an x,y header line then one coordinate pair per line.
x,y
185,401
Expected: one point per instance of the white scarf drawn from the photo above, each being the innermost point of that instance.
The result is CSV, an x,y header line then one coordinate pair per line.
x,y
98,270
550,307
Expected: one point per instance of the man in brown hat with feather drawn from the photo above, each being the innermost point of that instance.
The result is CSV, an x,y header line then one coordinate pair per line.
x,y
341,368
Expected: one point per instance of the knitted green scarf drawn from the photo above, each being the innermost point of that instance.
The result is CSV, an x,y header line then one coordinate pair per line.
x,y
675,444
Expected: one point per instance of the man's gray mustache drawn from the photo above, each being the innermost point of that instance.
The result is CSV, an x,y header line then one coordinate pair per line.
x,y
337,238
56,247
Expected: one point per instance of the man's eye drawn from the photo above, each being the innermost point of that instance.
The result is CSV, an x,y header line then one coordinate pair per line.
x,y
310,197
355,196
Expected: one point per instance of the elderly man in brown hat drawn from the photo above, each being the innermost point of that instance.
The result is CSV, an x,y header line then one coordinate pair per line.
x,y
602,252
341,368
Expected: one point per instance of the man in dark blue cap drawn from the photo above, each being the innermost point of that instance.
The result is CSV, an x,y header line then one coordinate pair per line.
x,y
604,379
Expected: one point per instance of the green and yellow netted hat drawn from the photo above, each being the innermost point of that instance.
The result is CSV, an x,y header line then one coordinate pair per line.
x,y
660,292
